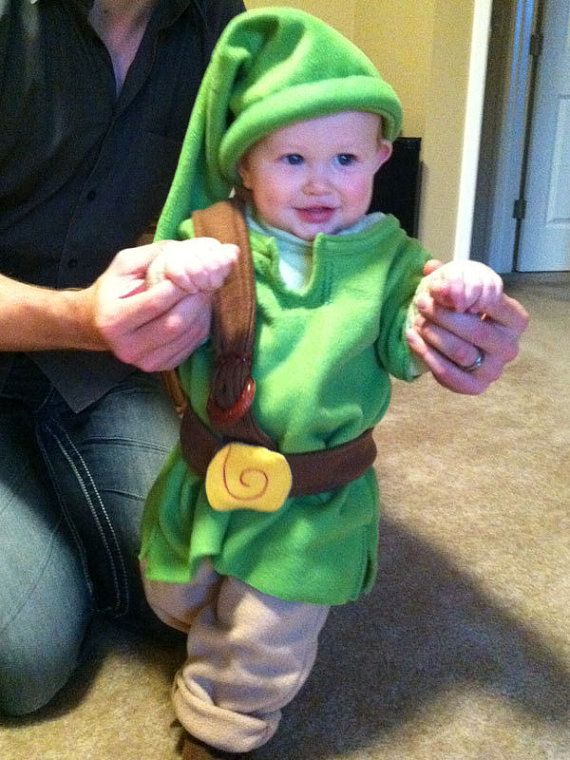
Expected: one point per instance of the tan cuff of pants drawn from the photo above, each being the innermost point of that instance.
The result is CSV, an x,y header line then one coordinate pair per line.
x,y
248,656
225,729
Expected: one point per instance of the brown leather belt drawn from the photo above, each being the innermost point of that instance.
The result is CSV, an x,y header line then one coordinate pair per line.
x,y
312,472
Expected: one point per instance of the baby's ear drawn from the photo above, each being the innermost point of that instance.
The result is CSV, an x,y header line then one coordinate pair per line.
x,y
244,173
383,152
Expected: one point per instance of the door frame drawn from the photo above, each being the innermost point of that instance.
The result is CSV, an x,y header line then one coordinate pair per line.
x,y
496,243
474,110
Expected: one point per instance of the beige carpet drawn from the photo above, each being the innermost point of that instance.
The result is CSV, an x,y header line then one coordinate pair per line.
x,y
462,652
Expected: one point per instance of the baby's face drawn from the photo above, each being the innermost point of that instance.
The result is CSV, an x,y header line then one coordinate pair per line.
x,y
316,175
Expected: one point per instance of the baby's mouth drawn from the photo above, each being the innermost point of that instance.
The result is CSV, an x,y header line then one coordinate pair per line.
x,y
316,214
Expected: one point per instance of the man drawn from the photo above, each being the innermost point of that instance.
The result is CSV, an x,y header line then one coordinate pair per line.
x,y
94,103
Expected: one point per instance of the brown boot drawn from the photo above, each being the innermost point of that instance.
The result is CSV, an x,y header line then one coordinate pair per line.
x,y
193,749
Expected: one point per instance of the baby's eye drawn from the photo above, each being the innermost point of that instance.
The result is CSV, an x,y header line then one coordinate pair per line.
x,y
293,159
345,159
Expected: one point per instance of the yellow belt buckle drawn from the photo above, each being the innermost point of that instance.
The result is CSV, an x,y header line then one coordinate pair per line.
x,y
242,476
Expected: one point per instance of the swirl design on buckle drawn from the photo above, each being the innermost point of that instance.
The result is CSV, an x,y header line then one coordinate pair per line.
x,y
241,476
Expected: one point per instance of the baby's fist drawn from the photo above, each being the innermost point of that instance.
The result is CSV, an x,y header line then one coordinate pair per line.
x,y
465,286
199,265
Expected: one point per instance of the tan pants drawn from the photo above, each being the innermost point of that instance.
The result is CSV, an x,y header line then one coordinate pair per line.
x,y
248,656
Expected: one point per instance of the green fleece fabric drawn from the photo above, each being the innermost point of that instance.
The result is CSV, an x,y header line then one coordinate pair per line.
x,y
271,67
322,360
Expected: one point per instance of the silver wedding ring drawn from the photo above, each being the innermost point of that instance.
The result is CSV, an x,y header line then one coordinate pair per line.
x,y
476,364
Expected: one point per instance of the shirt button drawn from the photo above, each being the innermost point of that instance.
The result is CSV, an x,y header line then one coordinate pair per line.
x,y
72,263
91,195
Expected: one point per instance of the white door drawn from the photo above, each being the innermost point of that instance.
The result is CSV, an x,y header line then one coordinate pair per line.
x,y
545,230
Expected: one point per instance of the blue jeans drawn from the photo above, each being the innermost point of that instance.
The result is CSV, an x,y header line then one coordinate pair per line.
x,y
72,489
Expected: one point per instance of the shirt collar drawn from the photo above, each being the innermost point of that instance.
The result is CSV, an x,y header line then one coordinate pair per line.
x,y
86,4
169,10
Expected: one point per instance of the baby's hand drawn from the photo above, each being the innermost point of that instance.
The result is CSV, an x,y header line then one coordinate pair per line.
x,y
465,286
199,265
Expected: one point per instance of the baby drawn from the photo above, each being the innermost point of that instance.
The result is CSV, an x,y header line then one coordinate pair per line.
x,y
296,121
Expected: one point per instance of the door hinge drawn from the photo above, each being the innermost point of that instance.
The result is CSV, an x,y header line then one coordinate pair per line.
x,y
519,209
536,40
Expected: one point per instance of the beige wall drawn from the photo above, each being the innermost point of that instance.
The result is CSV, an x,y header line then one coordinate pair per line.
x,y
444,125
340,14
422,49
398,37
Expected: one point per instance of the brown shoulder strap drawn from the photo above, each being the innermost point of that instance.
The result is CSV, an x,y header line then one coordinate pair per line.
x,y
173,388
233,329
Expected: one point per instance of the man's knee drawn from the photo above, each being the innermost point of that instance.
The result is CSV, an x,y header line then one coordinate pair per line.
x,y
29,680
40,646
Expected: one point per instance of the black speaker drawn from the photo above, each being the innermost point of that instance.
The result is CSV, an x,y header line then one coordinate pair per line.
x,y
397,184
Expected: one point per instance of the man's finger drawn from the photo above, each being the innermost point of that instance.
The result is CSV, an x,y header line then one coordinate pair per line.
x,y
509,313
448,374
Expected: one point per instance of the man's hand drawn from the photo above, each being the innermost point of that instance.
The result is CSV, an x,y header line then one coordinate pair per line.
x,y
152,328
447,341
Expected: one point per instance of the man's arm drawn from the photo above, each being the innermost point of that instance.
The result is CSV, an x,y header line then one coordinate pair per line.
x,y
34,318
154,329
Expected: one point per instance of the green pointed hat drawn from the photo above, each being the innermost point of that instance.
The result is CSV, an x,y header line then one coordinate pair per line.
x,y
270,68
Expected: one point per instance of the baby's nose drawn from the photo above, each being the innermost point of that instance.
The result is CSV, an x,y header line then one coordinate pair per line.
x,y
317,183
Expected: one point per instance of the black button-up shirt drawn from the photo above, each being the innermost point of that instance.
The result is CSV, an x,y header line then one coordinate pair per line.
x,y
84,171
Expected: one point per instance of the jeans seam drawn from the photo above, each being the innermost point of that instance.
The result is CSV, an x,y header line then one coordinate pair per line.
x,y
119,574
68,521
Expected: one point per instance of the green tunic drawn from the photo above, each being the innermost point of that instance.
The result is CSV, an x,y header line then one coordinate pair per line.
x,y
323,357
